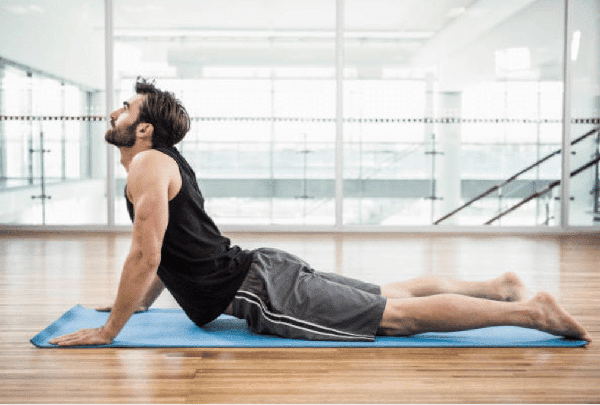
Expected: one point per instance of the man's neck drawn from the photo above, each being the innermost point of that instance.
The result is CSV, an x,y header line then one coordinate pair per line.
x,y
127,154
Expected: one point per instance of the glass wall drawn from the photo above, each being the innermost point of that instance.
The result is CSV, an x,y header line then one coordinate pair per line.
x,y
585,114
52,169
258,78
452,112
448,105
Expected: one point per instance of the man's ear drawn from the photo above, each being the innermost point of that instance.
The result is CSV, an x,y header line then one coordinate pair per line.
x,y
145,130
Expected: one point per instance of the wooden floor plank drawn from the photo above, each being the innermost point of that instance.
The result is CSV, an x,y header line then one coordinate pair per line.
x,y
44,275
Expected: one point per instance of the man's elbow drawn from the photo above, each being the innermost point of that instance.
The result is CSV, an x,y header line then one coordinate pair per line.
x,y
152,261
145,260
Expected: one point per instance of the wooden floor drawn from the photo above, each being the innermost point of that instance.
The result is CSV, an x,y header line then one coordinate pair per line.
x,y
42,276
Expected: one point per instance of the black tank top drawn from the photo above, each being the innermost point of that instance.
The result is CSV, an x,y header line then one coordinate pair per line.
x,y
198,266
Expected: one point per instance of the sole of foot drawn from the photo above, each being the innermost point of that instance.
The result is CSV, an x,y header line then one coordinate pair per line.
x,y
550,317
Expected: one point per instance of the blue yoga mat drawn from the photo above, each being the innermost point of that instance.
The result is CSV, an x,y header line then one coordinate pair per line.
x,y
171,328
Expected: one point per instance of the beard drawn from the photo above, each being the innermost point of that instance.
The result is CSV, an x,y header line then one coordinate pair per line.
x,y
122,137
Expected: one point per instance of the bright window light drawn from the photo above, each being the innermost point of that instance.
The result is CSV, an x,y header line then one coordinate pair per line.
x,y
575,45
512,59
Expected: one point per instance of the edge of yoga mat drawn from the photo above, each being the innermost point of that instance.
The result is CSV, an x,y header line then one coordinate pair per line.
x,y
153,329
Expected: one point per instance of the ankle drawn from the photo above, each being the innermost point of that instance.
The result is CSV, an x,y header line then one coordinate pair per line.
x,y
522,314
535,317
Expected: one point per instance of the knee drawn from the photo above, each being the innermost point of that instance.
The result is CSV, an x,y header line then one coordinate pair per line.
x,y
392,291
395,320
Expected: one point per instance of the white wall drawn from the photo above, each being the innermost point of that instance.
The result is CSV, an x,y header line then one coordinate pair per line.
x,y
538,27
63,38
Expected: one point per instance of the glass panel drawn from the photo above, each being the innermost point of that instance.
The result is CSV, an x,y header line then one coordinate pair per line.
x,y
444,101
259,83
52,164
585,103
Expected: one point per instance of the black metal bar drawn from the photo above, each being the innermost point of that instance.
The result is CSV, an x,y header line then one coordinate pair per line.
x,y
512,178
544,191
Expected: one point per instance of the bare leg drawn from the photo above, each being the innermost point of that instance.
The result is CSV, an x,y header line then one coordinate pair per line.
x,y
507,287
451,312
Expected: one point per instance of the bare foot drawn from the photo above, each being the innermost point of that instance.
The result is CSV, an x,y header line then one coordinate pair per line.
x,y
511,288
549,316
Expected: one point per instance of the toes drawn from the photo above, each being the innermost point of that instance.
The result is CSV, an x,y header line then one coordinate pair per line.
x,y
556,320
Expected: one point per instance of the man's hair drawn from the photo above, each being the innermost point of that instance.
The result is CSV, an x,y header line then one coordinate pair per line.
x,y
165,112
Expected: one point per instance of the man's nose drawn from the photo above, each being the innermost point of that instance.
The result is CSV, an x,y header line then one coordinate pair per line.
x,y
115,115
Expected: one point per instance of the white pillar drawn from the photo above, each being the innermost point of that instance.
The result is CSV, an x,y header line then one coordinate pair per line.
x,y
2,140
110,150
566,136
339,114
430,142
448,171
94,151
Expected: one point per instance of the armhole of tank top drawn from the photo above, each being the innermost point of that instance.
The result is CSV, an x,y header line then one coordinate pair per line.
x,y
179,167
127,195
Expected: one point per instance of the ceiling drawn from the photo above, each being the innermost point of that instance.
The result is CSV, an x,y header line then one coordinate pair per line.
x,y
378,15
184,36
188,35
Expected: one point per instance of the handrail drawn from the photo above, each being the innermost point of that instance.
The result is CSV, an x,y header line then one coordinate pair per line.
x,y
544,191
512,178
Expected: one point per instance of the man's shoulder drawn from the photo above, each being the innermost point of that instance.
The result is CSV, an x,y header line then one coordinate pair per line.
x,y
152,159
150,169
151,166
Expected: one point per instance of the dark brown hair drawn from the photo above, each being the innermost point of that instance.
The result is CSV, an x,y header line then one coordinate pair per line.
x,y
165,112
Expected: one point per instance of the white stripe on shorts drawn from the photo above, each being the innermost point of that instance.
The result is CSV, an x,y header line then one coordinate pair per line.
x,y
298,323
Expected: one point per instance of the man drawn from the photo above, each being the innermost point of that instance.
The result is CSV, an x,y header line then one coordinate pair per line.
x,y
176,245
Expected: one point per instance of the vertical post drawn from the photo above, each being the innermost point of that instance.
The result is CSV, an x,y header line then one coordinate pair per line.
x,y
42,196
63,130
29,113
272,152
566,135
110,166
339,113
538,154
43,177
86,148
448,171
596,189
429,139
3,145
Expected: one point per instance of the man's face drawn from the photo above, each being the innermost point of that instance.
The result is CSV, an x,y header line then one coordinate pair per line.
x,y
124,122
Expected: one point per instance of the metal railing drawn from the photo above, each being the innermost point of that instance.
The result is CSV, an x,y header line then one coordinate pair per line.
x,y
515,176
544,191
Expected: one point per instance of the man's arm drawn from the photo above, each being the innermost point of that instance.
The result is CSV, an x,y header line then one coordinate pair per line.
x,y
156,288
147,183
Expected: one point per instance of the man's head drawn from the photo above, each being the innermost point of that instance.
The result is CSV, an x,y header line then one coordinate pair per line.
x,y
151,111
164,112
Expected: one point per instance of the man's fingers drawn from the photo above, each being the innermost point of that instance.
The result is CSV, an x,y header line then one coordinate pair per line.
x,y
66,339
106,308
109,308
84,337
61,339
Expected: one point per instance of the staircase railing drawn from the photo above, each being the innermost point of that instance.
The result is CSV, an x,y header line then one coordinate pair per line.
x,y
515,176
544,191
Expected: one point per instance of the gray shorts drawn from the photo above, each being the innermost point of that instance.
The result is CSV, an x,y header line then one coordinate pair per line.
x,y
282,295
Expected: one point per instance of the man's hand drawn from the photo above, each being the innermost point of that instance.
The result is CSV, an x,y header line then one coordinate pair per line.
x,y
83,337
108,308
